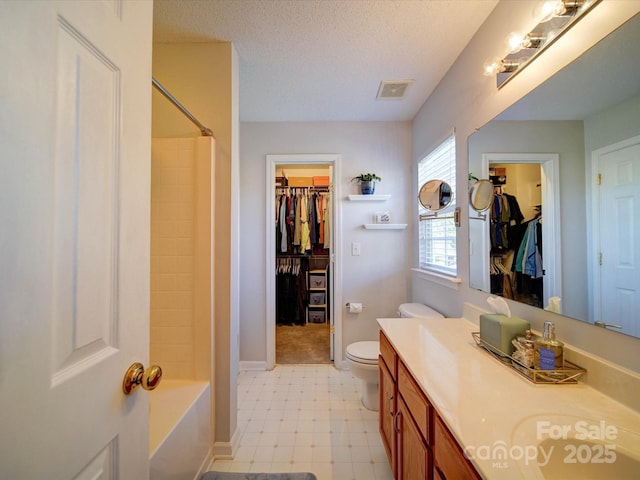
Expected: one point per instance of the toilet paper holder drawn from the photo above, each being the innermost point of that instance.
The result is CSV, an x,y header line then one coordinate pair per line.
x,y
353,307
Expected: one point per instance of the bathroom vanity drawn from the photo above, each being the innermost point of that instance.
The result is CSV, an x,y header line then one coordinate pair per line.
x,y
418,444
449,410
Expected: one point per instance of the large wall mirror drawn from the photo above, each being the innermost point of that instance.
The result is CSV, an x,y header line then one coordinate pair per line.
x,y
569,153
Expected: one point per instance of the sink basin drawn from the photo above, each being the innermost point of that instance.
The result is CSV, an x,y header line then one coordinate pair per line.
x,y
574,447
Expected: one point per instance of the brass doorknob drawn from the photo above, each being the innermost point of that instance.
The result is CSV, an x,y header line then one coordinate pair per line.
x,y
137,376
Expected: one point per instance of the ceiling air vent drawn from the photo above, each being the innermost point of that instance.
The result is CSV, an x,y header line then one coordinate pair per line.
x,y
393,89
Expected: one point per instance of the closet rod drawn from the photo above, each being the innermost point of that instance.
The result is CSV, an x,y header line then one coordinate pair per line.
x,y
206,132
315,189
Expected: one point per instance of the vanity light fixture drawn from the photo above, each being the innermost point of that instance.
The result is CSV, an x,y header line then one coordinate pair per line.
x,y
516,41
497,65
549,9
553,18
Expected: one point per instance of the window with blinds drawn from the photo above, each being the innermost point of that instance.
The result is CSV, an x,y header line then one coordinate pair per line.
x,y
437,236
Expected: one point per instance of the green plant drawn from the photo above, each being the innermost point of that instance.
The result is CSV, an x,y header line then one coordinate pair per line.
x,y
366,177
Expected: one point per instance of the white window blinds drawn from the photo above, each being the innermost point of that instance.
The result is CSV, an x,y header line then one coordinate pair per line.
x,y
437,236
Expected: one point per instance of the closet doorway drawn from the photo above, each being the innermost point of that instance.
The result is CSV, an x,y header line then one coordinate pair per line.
x,y
302,261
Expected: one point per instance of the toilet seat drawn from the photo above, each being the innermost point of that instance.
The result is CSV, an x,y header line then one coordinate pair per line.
x,y
363,352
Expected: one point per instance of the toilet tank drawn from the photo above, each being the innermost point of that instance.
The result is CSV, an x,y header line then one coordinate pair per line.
x,y
417,310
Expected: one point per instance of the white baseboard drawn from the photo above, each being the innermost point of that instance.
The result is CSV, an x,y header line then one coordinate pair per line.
x,y
227,450
223,451
250,366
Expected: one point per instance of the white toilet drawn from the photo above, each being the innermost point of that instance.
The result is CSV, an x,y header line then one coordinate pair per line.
x,y
362,357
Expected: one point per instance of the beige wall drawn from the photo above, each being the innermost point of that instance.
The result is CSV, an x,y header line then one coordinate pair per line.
x,y
202,76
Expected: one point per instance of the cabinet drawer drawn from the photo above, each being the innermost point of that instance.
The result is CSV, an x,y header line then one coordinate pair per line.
x,y
388,354
450,462
416,401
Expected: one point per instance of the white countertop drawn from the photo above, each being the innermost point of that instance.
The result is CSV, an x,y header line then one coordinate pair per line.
x,y
491,409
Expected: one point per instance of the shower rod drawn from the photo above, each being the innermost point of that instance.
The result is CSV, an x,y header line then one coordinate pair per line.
x,y
206,132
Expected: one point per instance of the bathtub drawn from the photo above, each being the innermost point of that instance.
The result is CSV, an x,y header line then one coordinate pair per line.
x,y
179,429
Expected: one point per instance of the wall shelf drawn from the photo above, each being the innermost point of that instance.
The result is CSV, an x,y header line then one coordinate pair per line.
x,y
385,226
369,198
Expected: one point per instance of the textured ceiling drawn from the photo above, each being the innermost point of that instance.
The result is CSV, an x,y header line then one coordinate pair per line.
x,y
323,60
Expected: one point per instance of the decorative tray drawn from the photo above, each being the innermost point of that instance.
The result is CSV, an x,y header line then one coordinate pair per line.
x,y
570,373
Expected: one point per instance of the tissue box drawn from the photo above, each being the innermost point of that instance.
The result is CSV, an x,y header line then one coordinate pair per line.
x,y
498,330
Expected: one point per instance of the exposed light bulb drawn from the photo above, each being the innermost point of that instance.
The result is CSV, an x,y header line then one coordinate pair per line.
x,y
492,66
495,65
515,42
548,9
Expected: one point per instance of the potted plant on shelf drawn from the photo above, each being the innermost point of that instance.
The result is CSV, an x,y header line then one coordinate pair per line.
x,y
367,182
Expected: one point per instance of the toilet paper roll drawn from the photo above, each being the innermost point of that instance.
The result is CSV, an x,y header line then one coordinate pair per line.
x,y
354,307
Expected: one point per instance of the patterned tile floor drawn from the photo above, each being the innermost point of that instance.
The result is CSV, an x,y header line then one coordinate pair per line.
x,y
306,418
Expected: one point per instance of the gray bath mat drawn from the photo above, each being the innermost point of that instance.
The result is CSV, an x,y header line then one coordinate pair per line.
x,y
257,476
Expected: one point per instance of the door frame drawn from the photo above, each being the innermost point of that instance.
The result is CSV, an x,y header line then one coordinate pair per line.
x,y
595,298
550,184
335,287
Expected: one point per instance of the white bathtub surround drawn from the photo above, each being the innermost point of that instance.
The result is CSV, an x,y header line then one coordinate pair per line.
x,y
179,429
181,206
486,404
306,418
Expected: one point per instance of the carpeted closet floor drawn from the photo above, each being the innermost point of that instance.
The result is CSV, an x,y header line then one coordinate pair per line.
x,y
302,344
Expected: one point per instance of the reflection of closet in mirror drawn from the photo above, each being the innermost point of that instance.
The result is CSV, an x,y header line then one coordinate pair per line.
x,y
516,232
589,105
530,180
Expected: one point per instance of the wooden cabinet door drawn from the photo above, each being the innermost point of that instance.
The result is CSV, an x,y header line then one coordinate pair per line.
x,y
387,410
450,462
413,462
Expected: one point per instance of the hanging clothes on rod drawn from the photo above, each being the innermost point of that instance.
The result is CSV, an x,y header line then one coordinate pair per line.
x,y
505,214
291,290
302,220
528,264
505,232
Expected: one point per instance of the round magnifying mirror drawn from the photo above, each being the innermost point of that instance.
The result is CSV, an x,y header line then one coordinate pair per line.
x,y
481,195
435,195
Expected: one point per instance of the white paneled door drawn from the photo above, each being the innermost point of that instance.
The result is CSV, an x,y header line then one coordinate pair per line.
x,y
74,237
619,236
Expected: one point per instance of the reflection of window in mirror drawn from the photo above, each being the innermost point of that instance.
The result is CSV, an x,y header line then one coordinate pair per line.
x,y
437,236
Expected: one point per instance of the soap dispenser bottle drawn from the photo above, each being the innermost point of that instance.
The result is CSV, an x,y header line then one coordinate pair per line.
x,y
548,352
